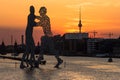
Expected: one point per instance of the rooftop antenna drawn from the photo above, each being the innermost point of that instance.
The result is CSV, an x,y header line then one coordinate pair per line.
x,y
80,23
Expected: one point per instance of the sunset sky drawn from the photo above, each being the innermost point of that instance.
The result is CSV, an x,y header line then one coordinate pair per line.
x,y
102,16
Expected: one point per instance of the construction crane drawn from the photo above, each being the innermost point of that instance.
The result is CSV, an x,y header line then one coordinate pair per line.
x,y
94,33
109,35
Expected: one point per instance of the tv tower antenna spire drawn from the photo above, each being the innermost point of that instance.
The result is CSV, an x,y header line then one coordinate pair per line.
x,y
80,23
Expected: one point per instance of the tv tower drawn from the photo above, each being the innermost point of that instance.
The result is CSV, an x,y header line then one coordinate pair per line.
x,y
80,23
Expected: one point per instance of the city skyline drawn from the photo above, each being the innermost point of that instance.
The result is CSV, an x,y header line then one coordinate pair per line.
x,y
101,16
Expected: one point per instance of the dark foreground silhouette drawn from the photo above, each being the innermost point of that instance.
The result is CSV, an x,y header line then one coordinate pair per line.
x,y
19,59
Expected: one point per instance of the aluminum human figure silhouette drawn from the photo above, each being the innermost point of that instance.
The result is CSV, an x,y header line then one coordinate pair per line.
x,y
30,46
47,40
